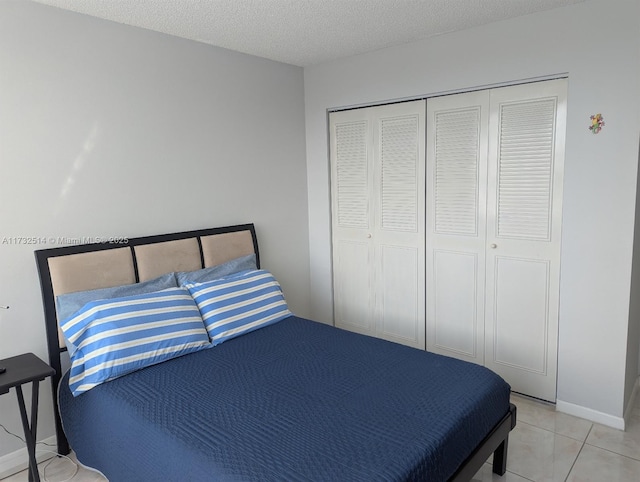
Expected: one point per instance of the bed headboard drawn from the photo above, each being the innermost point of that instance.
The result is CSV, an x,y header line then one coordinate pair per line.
x,y
125,261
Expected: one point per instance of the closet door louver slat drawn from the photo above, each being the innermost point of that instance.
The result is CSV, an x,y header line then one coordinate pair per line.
x,y
525,168
456,171
352,174
399,157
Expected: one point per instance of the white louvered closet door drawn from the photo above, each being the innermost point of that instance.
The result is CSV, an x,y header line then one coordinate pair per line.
x,y
457,135
524,209
494,205
378,221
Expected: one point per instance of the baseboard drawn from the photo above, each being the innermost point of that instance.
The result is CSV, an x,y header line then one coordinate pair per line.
x,y
19,460
590,414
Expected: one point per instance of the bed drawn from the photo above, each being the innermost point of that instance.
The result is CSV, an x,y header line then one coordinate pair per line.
x,y
291,399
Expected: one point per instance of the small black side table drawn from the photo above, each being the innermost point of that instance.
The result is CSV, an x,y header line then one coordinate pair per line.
x,y
23,369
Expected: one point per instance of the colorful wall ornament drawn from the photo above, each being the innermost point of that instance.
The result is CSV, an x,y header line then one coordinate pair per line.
x,y
597,123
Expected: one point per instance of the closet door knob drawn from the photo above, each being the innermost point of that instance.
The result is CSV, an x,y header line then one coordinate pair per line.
x,y
369,235
494,246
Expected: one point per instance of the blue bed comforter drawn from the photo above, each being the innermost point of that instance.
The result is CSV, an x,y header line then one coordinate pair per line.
x,y
296,401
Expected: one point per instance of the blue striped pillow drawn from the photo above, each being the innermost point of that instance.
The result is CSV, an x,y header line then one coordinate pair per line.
x,y
239,303
120,335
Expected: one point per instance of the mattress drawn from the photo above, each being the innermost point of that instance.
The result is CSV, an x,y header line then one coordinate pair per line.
x,y
297,401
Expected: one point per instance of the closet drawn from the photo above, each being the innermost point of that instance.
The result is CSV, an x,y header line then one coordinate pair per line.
x,y
453,244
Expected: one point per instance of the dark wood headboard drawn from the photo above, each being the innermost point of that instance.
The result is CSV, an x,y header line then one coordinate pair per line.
x,y
83,267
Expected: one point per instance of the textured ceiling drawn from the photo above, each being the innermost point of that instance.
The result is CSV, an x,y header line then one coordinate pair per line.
x,y
306,32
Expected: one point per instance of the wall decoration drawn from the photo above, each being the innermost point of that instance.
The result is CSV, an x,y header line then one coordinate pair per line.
x,y
597,123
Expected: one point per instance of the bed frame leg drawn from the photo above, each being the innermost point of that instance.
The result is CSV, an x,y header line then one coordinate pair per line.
x,y
500,457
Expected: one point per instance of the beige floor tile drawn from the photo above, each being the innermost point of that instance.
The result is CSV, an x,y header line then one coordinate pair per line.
x,y
59,469
540,455
544,415
597,465
635,410
623,443
485,474
20,477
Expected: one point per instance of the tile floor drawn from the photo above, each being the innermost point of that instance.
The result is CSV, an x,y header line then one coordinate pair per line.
x,y
551,446
545,446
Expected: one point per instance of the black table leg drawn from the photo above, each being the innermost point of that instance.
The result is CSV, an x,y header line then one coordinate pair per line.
x,y
30,432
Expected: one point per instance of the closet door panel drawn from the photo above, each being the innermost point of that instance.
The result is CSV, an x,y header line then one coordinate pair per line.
x,y
401,302
353,286
457,130
524,206
455,295
520,326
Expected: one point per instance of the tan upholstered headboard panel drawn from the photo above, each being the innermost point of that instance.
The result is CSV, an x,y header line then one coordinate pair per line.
x,y
89,271
157,259
87,267
219,248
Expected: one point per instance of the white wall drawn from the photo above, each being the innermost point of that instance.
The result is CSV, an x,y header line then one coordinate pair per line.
x,y
596,44
111,130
